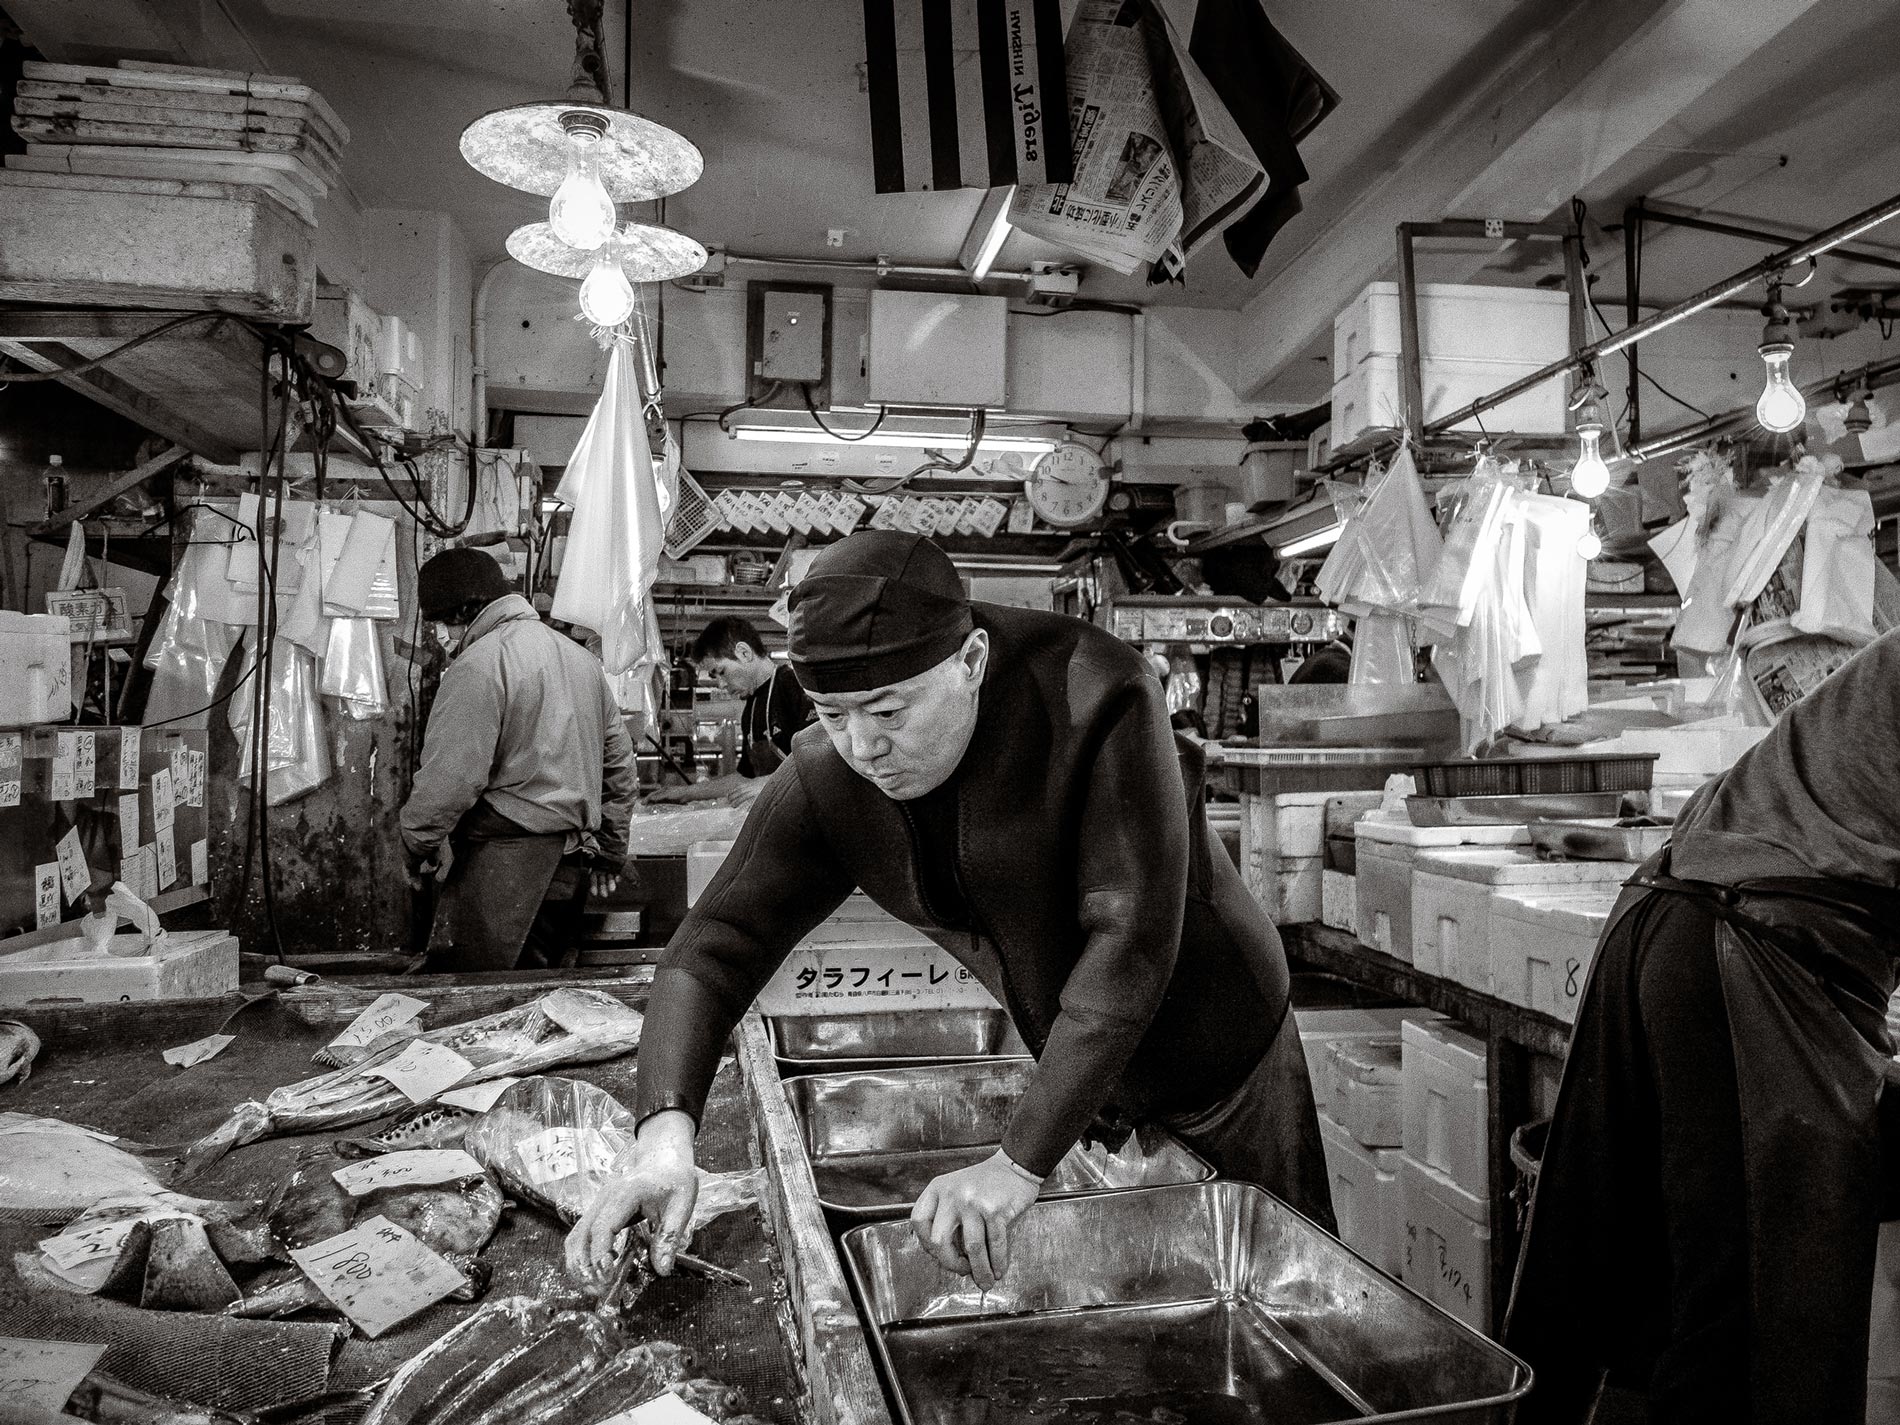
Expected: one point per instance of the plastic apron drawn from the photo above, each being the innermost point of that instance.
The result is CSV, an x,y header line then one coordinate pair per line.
x,y
1806,967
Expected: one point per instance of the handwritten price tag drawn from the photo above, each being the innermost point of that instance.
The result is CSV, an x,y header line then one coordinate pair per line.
x,y
46,895
194,779
75,876
75,1249
162,803
40,1375
167,850
562,1152
422,1070
85,764
65,761
415,1168
478,1098
385,1014
200,864
196,1052
129,759
128,824
377,1274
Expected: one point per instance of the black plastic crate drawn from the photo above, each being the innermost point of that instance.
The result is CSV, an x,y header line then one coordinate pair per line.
x,y
1530,776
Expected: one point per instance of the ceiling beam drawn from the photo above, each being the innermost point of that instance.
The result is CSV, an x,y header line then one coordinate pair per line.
x,y
102,31
1563,106
114,394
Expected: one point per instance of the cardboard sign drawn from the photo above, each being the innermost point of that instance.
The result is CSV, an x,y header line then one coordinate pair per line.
x,y
41,1375
378,1274
416,1168
386,1013
422,1070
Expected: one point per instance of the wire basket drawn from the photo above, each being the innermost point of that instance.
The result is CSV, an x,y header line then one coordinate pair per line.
x,y
1527,776
694,518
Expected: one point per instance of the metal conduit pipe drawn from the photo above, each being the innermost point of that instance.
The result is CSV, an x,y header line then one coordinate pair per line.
x,y
478,344
1875,375
872,264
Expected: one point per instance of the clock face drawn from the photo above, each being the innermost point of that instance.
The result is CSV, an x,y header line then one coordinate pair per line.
x,y
1068,486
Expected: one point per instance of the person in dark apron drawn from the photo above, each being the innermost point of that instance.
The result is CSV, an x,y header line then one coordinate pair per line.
x,y
1702,1238
731,651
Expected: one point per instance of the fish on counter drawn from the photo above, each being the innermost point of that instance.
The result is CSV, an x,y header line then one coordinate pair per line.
x,y
436,1125
51,1171
19,1046
564,1026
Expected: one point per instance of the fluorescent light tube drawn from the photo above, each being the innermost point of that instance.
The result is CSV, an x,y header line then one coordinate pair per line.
x,y
951,440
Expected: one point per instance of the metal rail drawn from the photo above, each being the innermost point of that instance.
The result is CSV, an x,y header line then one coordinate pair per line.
x,y
1874,375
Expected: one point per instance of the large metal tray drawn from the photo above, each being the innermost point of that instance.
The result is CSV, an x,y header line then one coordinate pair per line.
x,y
1213,1302
1518,810
876,1139
891,1039
1597,840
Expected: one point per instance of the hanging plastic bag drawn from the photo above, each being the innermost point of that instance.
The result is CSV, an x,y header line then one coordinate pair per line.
x,y
353,668
1771,527
1382,650
619,523
1463,570
351,569
1556,685
1389,548
1838,566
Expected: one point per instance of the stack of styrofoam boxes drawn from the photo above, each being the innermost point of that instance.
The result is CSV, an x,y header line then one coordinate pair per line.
x,y
1472,340
1364,1180
1444,1182
1282,837
1361,1132
1338,888
36,671
1453,892
1542,947
1384,856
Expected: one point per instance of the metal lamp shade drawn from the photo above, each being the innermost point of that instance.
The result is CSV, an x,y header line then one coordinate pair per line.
x,y
525,147
647,252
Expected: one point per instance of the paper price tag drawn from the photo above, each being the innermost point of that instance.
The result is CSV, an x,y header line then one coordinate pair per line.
x,y
74,1249
128,824
129,759
194,779
40,1375
478,1098
416,1168
85,764
147,885
12,762
75,876
561,1152
664,1409
200,864
65,753
386,1013
377,1274
162,797
167,852
9,792
180,759
46,895
196,1052
422,1070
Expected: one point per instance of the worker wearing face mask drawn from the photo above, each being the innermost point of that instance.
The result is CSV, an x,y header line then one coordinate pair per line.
x,y
775,709
521,804
1007,782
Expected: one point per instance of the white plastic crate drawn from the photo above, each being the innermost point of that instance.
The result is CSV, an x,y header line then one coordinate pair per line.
x,y
1445,1093
1339,899
1446,1249
1459,320
1542,947
1365,1095
1451,902
1365,1190
1370,397
1320,1029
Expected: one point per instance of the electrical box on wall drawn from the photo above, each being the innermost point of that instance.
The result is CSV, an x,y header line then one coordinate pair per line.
x,y
938,349
788,342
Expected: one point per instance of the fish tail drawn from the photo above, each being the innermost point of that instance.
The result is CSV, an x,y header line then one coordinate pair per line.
x,y
248,1122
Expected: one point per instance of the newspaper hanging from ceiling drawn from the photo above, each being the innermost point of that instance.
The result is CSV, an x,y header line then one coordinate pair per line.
x,y
1159,162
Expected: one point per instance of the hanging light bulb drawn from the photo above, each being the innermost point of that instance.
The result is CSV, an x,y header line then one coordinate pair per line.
x,y
1590,546
582,211
606,294
1782,407
1590,477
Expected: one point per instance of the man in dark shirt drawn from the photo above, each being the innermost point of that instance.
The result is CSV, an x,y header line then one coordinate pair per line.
x,y
776,708
1007,782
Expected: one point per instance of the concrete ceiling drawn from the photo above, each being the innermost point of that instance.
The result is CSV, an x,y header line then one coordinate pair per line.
x,y
1797,134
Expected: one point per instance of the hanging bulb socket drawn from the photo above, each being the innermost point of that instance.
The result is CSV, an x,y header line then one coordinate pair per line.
x,y
1782,407
584,126
1859,418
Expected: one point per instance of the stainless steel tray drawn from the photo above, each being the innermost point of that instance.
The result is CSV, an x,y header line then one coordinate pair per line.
x,y
892,1039
876,1139
1597,840
1213,1302
1517,810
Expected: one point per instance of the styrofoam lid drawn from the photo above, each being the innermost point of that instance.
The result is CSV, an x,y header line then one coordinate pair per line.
x,y
1584,909
1370,1061
1334,1023
1447,1193
1446,1040
1403,833
1505,866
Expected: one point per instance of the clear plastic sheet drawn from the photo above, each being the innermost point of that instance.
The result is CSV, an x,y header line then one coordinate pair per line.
x,y
1389,548
297,751
1382,650
353,668
1466,566
1772,526
1837,570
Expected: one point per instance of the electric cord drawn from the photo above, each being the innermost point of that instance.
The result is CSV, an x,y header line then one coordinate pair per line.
x,y
979,420
244,677
105,358
812,407
770,393
1579,212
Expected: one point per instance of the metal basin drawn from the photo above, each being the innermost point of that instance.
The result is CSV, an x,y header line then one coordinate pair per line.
x,y
892,1039
876,1139
1214,1303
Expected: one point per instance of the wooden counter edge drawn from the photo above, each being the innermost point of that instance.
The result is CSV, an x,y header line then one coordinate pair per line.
x,y
840,1377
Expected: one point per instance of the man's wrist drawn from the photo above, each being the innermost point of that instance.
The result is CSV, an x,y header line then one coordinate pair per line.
x,y
1033,1179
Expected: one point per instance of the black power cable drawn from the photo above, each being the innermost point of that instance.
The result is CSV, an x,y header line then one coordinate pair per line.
x,y
104,358
812,406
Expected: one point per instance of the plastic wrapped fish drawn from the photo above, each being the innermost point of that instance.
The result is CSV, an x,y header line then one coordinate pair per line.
x,y
51,1171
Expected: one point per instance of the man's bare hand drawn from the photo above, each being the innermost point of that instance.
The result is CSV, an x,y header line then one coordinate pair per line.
x,y
655,1182
963,1219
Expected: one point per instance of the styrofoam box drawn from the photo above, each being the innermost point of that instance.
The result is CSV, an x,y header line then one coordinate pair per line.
x,y
1693,751
1370,397
1443,1091
1385,853
703,860
1457,320
1365,1190
1338,899
185,964
1292,824
1446,1248
1542,947
1365,1095
1290,892
1451,902
1320,1029
36,668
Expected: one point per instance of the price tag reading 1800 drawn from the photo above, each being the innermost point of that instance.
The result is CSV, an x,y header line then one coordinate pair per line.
x,y
377,1274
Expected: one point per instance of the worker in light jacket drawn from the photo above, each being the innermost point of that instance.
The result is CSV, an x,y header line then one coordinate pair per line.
x,y
1703,1232
521,805
1007,782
